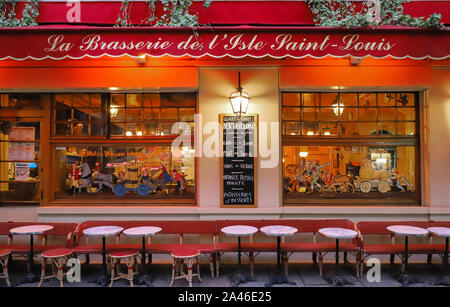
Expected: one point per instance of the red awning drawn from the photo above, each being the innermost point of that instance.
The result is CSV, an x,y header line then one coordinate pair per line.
x,y
257,42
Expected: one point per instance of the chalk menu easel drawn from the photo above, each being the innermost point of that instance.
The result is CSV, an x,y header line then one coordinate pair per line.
x,y
238,160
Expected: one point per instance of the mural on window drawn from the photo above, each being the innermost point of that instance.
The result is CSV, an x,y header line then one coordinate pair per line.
x,y
145,172
333,149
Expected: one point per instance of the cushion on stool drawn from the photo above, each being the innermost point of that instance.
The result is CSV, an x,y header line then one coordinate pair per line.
x,y
4,252
185,253
123,253
56,253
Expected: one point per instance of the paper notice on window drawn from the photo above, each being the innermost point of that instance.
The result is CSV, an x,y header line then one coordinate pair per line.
x,y
22,172
21,151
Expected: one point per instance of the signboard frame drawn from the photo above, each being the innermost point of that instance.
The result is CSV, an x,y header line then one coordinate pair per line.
x,y
255,161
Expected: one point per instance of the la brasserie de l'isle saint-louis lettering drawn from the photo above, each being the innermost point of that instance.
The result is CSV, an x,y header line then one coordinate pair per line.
x,y
225,42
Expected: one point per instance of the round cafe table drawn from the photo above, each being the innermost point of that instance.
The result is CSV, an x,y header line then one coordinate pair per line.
x,y
338,234
279,231
407,231
144,232
103,232
31,231
445,233
239,231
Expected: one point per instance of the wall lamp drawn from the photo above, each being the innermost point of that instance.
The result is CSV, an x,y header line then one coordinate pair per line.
x,y
239,99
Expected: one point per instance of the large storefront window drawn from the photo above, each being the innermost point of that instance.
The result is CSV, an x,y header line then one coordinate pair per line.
x,y
116,172
118,146
355,148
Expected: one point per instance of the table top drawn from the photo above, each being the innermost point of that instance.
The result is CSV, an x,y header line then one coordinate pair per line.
x,y
239,230
102,231
403,230
30,230
278,230
338,233
440,231
144,231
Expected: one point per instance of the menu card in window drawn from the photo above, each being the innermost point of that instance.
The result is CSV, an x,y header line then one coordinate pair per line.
x,y
238,161
18,150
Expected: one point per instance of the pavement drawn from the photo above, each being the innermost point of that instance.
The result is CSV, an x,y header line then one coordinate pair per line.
x,y
305,274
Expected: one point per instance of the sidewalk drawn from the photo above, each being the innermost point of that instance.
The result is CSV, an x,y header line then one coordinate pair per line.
x,y
303,274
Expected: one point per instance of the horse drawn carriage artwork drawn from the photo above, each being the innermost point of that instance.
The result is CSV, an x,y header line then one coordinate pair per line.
x,y
308,177
131,177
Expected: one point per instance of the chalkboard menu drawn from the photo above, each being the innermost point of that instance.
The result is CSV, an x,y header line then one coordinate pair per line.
x,y
238,167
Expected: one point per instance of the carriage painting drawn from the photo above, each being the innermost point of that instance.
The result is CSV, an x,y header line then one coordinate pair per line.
x,y
129,177
309,177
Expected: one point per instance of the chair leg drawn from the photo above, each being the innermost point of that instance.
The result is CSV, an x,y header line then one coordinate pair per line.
x,y
392,259
42,272
314,257
429,258
60,271
321,264
87,258
174,264
211,265
189,267
113,264
217,264
345,257
5,270
130,270
251,257
198,271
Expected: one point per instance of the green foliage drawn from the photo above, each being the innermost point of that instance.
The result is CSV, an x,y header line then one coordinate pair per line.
x,y
342,13
176,13
8,16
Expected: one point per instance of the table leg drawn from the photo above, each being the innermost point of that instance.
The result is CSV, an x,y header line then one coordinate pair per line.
x,y
336,279
445,278
279,277
31,277
404,278
103,280
144,279
238,277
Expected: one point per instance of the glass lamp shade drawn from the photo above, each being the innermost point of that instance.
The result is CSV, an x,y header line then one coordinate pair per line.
x,y
338,108
114,110
239,102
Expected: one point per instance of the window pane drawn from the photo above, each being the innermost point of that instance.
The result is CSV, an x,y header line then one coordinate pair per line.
x,y
25,101
63,129
167,113
291,99
151,129
310,99
367,114
292,128
366,129
117,114
309,114
349,114
81,129
327,114
98,115
406,114
63,114
187,114
118,129
96,101
62,101
151,114
349,99
81,114
329,129
387,113
134,100
124,172
81,101
328,100
291,114
349,129
387,128
98,128
310,129
354,174
367,100
406,128
133,115
118,100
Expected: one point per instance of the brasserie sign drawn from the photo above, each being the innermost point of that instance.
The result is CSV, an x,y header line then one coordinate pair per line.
x,y
220,42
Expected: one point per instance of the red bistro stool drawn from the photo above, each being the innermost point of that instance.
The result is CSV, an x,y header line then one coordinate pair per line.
x,y
116,256
58,258
185,256
4,256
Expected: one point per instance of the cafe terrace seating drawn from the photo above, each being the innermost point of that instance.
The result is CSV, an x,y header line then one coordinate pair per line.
x,y
187,234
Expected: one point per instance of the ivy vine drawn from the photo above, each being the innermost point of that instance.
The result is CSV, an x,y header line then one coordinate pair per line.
x,y
8,17
343,13
176,13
